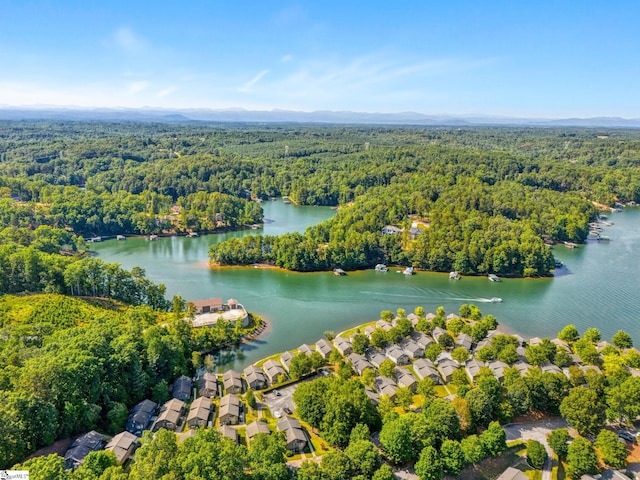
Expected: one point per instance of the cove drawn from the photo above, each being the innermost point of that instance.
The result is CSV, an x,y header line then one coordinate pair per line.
x,y
598,287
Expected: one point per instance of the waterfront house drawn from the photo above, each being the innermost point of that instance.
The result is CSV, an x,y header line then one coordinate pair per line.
x,y
306,349
255,428
199,412
343,346
446,367
140,417
535,341
411,348
324,348
359,363
451,316
208,385
430,316
602,345
375,357
182,388
232,382
285,359
464,340
229,432
170,415
472,367
404,378
208,305
414,319
296,437
274,371
89,442
368,331
391,230
255,377
230,408
384,325
122,445
396,355
385,386
424,368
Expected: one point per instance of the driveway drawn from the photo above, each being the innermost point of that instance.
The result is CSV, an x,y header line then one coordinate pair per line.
x,y
536,431
285,399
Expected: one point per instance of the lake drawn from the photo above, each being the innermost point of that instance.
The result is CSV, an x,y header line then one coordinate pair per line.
x,y
598,287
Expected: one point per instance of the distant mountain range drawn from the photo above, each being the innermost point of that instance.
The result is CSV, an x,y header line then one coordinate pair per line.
x,y
240,115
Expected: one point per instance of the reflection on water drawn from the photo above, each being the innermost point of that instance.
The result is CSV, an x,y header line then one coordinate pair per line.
x,y
598,287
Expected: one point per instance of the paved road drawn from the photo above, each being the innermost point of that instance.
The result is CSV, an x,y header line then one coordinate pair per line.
x,y
536,431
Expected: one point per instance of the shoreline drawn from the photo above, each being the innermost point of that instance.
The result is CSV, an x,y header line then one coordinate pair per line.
x,y
265,329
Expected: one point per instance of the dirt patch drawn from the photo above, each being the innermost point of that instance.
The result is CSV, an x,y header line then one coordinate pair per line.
x,y
59,447
490,468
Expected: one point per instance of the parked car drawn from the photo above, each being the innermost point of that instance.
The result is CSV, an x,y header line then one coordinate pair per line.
x,y
276,393
277,414
627,437
287,410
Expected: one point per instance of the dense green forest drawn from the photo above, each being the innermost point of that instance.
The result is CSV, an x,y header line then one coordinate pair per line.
x,y
70,365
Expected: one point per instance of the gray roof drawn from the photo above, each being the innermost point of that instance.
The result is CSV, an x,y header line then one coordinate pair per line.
x,y
323,347
254,428
230,405
121,444
229,432
200,409
182,387
254,374
359,363
512,474
81,447
272,369
232,379
208,383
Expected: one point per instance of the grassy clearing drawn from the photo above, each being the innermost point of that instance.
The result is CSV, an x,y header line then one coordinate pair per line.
x,y
491,468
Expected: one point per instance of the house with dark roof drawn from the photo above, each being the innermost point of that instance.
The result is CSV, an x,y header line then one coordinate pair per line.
x,y
464,340
255,377
182,388
424,368
359,363
170,415
421,339
81,447
230,407
255,428
343,346
437,333
396,355
199,412
385,386
404,378
229,432
512,474
122,445
208,385
274,371
411,348
323,348
472,367
296,437
285,359
140,417
375,357
446,367
232,382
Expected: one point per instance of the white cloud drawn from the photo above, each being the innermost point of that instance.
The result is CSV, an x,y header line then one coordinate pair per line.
x,y
166,91
137,87
248,85
127,40
286,58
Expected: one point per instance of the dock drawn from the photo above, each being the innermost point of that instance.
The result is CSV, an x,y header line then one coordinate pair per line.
x,y
338,272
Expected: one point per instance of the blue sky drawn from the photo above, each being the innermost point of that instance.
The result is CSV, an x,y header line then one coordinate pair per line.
x,y
539,59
